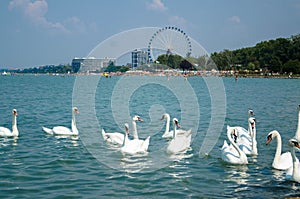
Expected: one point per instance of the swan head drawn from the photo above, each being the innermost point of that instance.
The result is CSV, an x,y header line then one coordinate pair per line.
x,y
250,113
175,122
137,118
252,121
75,110
233,132
165,116
299,107
294,143
271,136
14,112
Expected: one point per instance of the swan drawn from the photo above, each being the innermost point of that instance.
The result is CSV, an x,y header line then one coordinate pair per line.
x,y
115,138
135,145
5,132
297,134
143,143
246,140
61,130
232,153
179,142
293,172
281,161
168,133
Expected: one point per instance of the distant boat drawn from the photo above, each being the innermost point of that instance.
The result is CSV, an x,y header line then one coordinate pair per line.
x,y
5,73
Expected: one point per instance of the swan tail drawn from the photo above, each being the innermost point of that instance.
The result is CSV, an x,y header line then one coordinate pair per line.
x,y
47,130
105,137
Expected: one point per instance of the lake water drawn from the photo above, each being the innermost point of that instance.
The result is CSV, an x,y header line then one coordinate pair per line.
x,y
37,165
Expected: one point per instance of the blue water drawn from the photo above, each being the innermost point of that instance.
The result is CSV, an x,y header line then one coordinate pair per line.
x,y
37,165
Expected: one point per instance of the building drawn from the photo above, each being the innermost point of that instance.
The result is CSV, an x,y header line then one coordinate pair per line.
x,y
139,57
91,64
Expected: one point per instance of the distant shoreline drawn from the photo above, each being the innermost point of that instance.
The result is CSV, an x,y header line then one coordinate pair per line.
x,y
164,74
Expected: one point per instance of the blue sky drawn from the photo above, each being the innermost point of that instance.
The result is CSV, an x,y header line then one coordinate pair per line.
x,y
42,32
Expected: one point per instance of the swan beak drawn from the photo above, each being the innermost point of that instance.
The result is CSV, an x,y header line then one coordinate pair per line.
x,y
140,119
177,124
269,139
252,125
297,145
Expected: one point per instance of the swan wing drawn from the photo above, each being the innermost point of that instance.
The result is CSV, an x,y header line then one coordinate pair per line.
x,y
5,132
179,144
114,138
61,130
285,162
168,134
145,144
47,130
132,146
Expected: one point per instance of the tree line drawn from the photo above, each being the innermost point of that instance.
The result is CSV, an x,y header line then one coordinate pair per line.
x,y
281,55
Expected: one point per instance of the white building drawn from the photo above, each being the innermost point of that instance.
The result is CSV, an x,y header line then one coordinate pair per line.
x,y
91,64
139,57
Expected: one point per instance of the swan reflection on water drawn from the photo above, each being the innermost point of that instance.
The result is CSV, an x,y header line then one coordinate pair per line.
x,y
5,141
135,163
67,139
238,175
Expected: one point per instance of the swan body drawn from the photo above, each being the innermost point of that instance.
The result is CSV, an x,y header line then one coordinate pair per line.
x,y
293,173
115,138
5,132
61,130
168,133
232,153
135,145
282,161
179,142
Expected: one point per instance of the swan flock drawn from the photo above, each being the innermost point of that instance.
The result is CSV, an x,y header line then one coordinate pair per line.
x,y
242,142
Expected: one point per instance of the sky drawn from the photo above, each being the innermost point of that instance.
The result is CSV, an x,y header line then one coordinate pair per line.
x,y
45,32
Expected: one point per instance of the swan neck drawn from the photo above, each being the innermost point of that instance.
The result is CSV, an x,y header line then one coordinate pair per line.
x,y
298,127
125,139
254,143
73,124
167,124
135,134
233,143
14,127
278,149
174,130
295,163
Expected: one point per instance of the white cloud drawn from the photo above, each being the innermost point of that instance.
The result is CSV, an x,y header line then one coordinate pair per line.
x,y
35,11
235,19
181,22
157,5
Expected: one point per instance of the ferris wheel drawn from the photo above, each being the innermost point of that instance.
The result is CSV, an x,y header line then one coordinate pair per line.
x,y
169,40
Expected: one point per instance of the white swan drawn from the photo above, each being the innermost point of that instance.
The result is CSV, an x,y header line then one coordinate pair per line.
x,y
297,134
293,173
232,153
281,161
115,138
180,142
144,144
61,130
5,132
168,133
247,140
135,145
